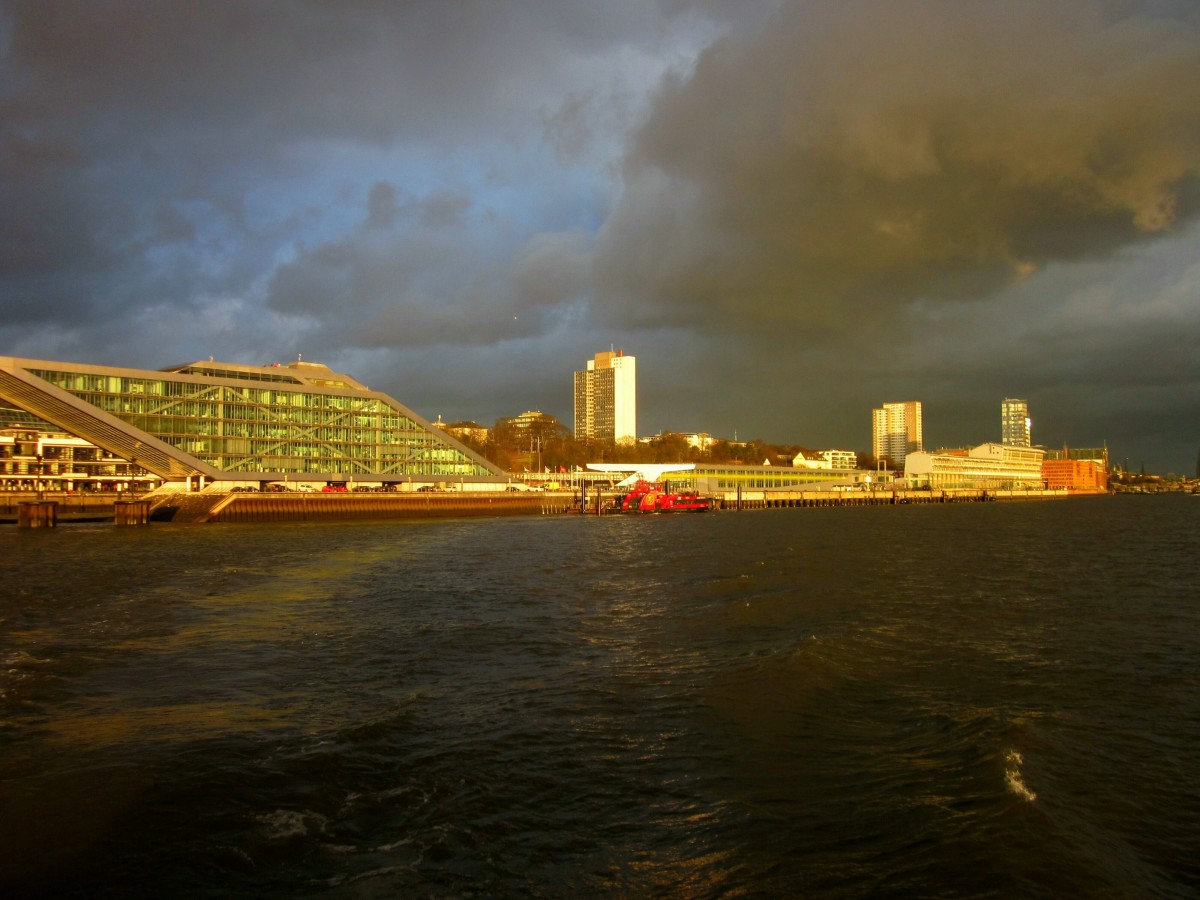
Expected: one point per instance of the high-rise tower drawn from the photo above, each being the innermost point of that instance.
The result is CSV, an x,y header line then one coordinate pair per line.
x,y
606,398
1015,425
896,431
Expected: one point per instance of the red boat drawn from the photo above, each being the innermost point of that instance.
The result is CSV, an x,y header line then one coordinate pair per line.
x,y
654,497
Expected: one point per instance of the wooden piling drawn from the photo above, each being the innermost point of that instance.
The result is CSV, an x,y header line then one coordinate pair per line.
x,y
37,514
131,512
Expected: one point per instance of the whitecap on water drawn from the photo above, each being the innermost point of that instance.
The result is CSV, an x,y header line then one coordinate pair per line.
x,y
1012,776
287,823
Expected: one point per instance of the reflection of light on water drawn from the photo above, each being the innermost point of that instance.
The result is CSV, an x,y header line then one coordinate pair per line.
x,y
180,722
197,652
671,870
1012,776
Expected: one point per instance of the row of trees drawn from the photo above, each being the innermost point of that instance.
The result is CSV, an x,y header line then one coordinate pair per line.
x,y
552,447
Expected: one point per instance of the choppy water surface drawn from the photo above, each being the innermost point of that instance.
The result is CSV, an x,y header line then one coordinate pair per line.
x,y
977,700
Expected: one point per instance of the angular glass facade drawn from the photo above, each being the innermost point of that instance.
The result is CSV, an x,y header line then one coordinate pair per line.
x,y
245,421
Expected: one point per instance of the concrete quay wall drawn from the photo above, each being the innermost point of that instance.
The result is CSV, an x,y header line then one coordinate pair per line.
x,y
301,507
790,499
69,507
184,507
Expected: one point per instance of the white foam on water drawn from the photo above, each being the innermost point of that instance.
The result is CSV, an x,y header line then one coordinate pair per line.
x,y
347,849
1012,777
287,823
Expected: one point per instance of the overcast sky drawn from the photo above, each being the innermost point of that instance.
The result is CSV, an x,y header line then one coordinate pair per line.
x,y
789,212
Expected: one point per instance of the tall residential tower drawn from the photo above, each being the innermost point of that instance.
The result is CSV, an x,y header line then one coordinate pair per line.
x,y
896,431
606,398
1015,425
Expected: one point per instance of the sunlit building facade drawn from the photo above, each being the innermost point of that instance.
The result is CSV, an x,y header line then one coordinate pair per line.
x,y
35,456
896,431
1080,469
212,421
1095,454
827,459
1016,428
1085,476
986,467
715,478
606,398
472,431
529,427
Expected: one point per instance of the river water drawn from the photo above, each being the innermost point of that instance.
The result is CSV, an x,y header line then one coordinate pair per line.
x,y
989,700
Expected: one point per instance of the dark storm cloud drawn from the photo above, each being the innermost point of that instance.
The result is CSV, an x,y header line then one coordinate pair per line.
x,y
278,70
852,157
394,281
551,270
118,121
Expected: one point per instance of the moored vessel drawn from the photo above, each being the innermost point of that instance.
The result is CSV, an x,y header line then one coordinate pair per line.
x,y
656,497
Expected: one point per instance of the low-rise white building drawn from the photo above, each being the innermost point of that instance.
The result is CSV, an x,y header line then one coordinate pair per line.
x,y
986,467
827,459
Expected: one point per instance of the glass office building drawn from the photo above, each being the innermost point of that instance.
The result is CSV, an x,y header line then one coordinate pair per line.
x,y
227,422
1015,425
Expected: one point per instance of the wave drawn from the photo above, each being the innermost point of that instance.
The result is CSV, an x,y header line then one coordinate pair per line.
x,y
1013,779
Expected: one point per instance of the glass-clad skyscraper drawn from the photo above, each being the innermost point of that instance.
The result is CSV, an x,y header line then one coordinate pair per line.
x,y
1016,428
236,422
